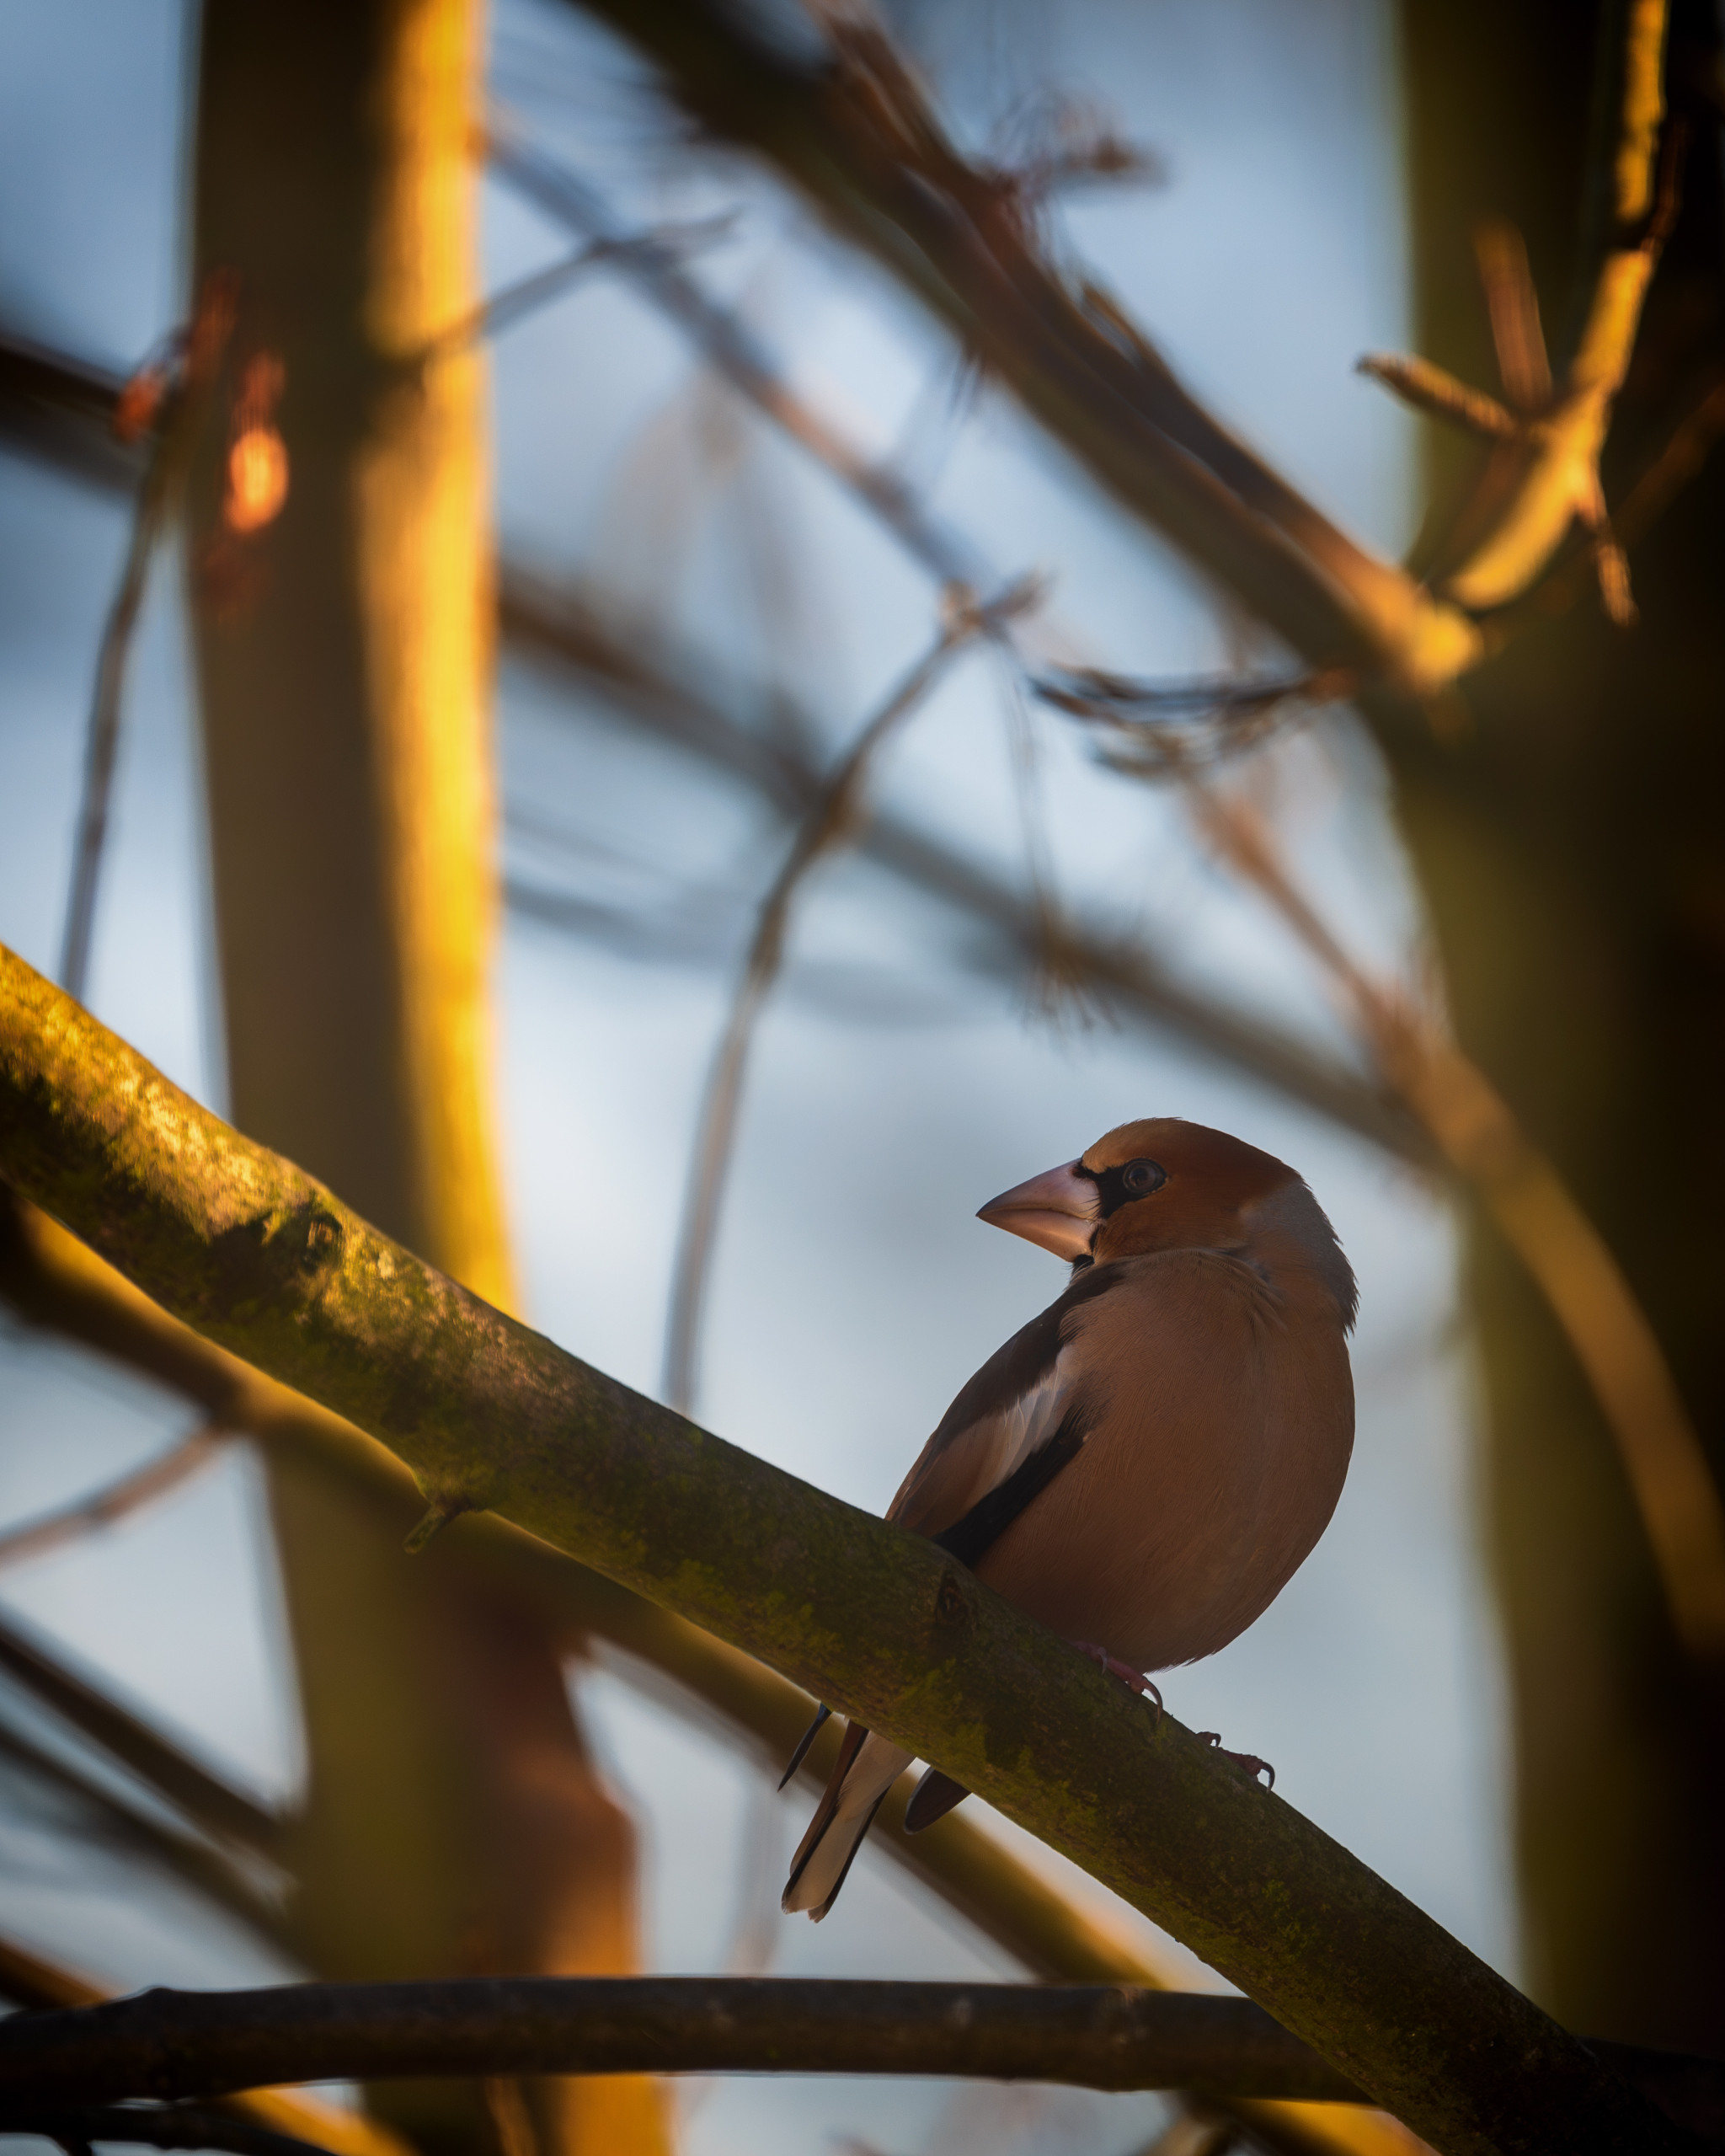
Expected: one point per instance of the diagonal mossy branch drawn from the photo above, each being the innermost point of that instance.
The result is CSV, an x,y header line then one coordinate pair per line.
x,y
260,1258
53,1281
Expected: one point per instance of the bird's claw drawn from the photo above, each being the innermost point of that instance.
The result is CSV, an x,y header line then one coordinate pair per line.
x,y
1134,1680
1253,1765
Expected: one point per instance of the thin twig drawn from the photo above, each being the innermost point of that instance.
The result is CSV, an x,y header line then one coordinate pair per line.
x,y
77,2127
157,503
212,1803
1558,485
1435,391
828,822
114,1821
1513,306
1173,730
514,302
733,350
102,744
114,1501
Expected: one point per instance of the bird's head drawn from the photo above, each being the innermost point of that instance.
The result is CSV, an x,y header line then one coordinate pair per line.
x,y
1157,1184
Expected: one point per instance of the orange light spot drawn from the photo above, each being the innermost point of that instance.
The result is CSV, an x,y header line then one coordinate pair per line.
x,y
257,480
140,402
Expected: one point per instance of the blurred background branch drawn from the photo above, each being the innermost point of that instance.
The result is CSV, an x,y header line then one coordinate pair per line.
x,y
680,639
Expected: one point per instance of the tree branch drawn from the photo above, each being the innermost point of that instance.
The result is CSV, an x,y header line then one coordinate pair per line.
x,y
37,1984
253,1252
828,821
112,1821
855,134
55,1281
55,408
214,1804
1559,486
76,2127
673,695
115,1500
171,2044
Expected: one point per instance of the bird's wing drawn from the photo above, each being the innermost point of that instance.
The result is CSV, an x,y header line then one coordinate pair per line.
x,y
1011,1428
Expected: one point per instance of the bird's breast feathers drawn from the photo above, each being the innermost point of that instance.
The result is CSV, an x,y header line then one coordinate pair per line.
x,y
1173,1431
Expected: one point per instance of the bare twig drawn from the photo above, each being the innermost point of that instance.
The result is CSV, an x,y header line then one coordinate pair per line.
x,y
102,1815
166,2043
157,502
1558,485
102,746
77,2127
1513,306
1173,730
1433,390
214,1804
732,348
115,1502
514,302
829,820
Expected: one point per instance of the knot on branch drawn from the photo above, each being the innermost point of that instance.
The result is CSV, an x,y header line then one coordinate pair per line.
x,y
951,1602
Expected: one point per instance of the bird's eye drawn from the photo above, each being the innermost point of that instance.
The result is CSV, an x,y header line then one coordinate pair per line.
x,y
1141,1177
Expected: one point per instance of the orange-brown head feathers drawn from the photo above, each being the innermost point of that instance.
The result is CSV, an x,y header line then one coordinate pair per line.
x,y
1161,1184
1164,1185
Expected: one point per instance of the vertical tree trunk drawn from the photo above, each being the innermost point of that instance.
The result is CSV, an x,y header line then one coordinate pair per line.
x,y
1573,857
453,1820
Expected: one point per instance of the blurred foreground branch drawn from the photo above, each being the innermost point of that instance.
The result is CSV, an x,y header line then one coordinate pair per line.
x,y
255,1254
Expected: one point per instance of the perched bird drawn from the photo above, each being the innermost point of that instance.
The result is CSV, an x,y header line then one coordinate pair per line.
x,y
1146,1465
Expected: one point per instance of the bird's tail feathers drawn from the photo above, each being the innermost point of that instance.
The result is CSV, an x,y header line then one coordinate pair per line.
x,y
866,1768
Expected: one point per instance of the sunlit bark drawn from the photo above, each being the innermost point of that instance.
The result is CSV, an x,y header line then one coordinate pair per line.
x,y
453,1821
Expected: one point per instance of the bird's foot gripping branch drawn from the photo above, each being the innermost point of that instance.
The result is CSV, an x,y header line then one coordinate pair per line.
x,y
243,1246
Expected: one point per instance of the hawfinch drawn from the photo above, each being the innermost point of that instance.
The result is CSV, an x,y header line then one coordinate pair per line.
x,y
1146,1464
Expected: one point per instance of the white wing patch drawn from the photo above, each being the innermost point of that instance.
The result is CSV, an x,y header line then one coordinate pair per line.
x,y
984,1455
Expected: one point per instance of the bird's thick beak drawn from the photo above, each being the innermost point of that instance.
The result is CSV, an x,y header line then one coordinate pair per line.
x,y
1058,1211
